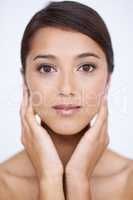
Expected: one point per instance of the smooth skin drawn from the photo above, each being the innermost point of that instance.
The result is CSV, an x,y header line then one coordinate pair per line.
x,y
48,165
58,161
42,153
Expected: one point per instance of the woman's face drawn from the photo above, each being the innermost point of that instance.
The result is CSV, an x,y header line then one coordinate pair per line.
x,y
69,76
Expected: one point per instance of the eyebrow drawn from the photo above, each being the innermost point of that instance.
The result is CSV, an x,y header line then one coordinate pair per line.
x,y
82,55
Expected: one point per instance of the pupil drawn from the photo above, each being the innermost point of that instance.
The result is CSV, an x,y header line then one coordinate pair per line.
x,y
47,68
86,67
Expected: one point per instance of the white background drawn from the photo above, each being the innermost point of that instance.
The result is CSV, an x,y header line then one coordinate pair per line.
x,y
14,16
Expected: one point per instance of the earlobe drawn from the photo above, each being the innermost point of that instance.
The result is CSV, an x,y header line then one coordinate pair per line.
x,y
108,84
106,89
25,83
109,80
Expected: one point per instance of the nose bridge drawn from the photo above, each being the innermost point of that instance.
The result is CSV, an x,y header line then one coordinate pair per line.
x,y
67,82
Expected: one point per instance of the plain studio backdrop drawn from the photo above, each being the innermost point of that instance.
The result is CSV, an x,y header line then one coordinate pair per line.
x,y
14,16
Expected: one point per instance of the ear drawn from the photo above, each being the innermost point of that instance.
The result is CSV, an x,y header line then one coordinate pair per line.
x,y
108,83
25,83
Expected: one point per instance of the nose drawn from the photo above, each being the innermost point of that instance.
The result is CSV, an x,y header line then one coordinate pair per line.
x,y
67,85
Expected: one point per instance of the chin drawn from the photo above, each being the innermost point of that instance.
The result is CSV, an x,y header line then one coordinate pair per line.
x,y
67,125
66,131
72,128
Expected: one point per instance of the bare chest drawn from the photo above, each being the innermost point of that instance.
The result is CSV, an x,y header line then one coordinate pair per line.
x,y
102,188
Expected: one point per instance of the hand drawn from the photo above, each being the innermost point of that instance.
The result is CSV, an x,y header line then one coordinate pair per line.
x,y
38,143
90,148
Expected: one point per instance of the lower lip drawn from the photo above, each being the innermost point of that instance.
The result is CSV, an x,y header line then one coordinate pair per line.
x,y
67,112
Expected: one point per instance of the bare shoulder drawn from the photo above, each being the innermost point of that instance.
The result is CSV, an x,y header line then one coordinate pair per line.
x,y
128,177
17,179
115,172
128,180
5,192
113,163
129,183
19,165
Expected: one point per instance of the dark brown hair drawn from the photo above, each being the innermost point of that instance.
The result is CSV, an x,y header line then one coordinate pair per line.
x,y
69,15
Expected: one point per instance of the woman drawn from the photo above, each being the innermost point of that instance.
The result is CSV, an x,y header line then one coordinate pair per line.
x,y
67,64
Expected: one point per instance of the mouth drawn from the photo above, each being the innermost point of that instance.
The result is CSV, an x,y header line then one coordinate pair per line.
x,y
66,109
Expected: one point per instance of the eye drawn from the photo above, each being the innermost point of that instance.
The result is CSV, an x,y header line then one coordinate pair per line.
x,y
88,67
45,68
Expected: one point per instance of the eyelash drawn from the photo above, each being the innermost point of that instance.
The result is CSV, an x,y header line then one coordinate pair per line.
x,y
42,66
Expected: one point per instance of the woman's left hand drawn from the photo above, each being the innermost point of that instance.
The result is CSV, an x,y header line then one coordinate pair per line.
x,y
90,148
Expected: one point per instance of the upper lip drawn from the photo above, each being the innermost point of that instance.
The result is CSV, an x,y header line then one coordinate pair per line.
x,y
66,106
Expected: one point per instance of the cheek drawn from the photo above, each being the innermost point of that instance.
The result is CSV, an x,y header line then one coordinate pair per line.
x,y
93,92
92,96
44,96
39,91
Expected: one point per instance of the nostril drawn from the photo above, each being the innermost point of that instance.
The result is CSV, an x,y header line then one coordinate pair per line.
x,y
66,94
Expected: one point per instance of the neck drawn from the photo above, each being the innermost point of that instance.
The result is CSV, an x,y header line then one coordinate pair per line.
x,y
65,144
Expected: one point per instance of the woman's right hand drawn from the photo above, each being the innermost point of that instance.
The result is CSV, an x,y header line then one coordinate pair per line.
x,y
38,143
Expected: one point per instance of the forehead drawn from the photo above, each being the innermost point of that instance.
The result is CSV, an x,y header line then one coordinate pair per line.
x,y
62,42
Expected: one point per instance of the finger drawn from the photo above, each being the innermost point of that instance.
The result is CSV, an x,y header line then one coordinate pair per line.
x,y
23,108
24,103
104,136
101,116
30,115
105,121
25,95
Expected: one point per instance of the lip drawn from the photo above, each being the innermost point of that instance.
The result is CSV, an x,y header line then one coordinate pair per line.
x,y
66,106
66,110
